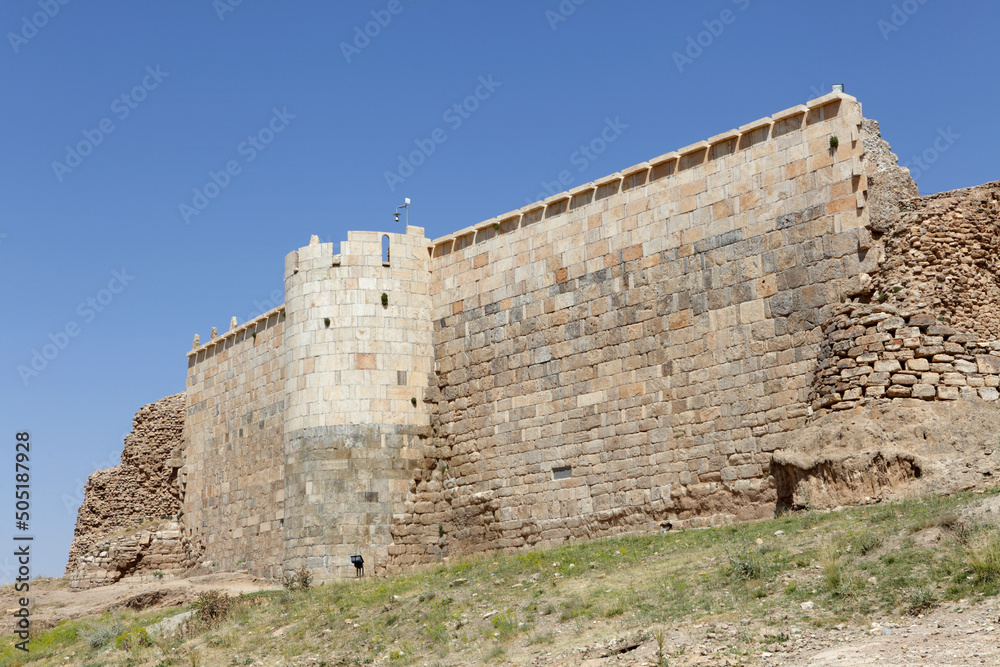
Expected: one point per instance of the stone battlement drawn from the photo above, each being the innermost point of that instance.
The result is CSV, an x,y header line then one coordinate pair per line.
x,y
247,328
656,168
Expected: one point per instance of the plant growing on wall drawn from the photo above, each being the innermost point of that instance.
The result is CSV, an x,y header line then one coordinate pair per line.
x,y
413,400
385,299
326,321
834,141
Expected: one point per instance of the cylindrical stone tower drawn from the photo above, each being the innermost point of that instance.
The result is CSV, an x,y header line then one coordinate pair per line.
x,y
358,353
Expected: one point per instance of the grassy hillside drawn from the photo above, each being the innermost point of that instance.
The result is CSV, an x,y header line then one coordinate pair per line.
x,y
746,588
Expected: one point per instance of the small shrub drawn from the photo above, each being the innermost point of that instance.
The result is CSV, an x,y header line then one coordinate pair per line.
x,y
984,558
504,626
102,632
212,607
133,638
965,533
545,638
920,599
300,580
496,226
866,542
746,562
385,299
832,568
326,322
661,659
834,141
617,609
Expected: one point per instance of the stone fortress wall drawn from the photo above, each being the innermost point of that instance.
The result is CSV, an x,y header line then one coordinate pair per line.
x,y
233,473
617,356
620,356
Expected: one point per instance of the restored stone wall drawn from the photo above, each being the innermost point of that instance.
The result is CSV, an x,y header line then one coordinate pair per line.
x,y
358,355
617,355
233,474
144,485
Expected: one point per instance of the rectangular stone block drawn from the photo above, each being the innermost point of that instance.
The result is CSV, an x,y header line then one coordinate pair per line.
x,y
889,365
967,367
946,393
988,364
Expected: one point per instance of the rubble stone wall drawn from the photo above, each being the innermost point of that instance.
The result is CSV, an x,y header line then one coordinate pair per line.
x,y
143,486
152,553
928,326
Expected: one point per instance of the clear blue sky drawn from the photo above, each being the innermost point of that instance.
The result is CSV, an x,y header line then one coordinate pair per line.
x,y
330,122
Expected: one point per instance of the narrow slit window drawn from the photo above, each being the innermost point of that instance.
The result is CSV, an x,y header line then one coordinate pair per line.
x,y
385,250
562,473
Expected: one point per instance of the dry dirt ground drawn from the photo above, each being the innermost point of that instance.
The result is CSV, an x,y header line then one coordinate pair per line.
x,y
954,635
52,601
